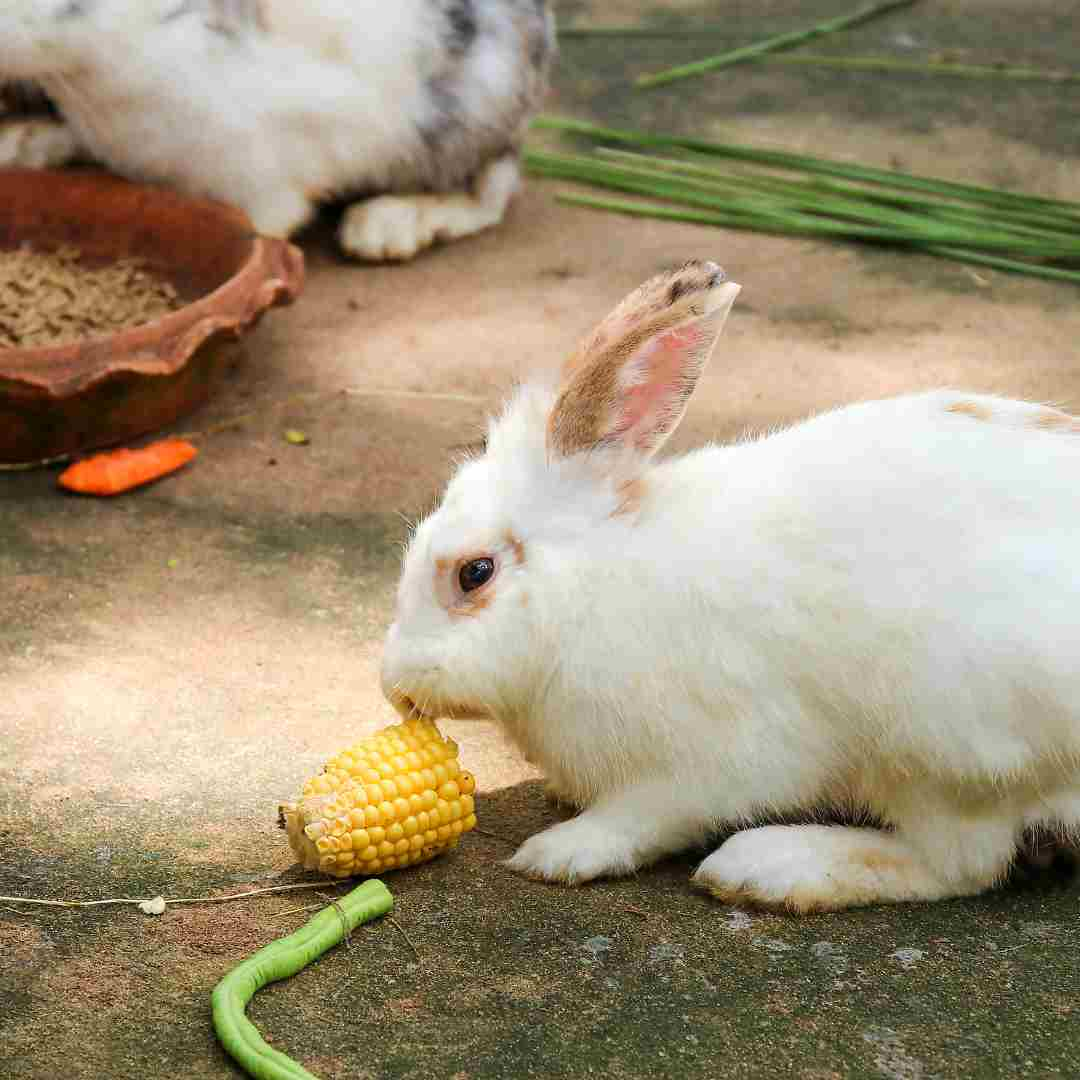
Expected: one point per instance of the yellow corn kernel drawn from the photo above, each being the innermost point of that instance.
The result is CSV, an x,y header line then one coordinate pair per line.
x,y
394,799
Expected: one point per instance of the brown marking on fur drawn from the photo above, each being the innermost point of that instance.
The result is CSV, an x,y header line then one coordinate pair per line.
x,y
472,605
798,902
631,495
649,299
517,547
805,900
1055,420
969,408
582,415
452,597
336,49
878,861
677,289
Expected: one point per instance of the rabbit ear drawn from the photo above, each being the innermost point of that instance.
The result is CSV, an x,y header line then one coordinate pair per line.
x,y
629,383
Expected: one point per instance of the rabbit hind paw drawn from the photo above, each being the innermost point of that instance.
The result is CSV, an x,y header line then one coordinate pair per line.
x,y
813,868
398,227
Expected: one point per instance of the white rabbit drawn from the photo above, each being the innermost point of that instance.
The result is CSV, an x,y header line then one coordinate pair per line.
x,y
418,106
876,612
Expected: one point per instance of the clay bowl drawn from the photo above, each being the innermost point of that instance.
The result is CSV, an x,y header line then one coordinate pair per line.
x,y
61,400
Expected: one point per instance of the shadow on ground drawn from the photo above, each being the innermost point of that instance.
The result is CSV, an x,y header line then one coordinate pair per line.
x,y
482,974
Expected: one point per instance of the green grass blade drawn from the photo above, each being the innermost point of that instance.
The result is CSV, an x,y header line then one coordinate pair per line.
x,y
914,67
781,41
851,218
583,170
686,213
840,197
805,163
1013,266
702,217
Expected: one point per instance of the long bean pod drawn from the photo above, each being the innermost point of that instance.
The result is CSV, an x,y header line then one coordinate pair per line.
x,y
280,960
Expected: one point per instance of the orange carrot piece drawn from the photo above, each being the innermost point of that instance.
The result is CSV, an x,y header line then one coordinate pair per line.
x,y
121,470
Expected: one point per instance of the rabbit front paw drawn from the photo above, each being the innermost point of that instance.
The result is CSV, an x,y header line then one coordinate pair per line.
x,y
575,851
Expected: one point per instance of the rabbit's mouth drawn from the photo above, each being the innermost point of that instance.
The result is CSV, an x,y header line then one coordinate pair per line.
x,y
436,709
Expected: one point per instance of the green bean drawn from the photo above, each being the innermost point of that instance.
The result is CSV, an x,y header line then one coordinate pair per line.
x,y
279,960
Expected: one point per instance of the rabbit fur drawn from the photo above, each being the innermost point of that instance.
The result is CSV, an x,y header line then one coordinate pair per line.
x,y
874,613
417,106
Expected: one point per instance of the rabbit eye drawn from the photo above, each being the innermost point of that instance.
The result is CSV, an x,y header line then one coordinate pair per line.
x,y
475,573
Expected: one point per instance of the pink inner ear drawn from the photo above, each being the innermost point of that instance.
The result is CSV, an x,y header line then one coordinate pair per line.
x,y
659,389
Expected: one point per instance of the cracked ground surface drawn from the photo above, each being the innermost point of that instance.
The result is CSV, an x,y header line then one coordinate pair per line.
x,y
176,661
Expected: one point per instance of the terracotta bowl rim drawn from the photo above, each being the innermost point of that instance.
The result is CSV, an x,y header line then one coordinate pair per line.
x,y
271,273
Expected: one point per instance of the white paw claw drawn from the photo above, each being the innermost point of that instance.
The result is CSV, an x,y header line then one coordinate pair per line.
x,y
768,867
387,228
572,852
397,227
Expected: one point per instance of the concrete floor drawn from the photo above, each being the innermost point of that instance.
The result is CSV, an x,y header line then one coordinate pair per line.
x,y
176,661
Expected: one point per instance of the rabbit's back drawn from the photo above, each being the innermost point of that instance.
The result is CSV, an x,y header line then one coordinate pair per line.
x,y
904,575
925,473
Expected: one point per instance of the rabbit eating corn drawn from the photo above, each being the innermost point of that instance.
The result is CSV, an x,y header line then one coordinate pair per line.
x,y
417,107
875,611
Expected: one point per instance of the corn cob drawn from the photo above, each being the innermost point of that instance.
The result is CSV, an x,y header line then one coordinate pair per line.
x,y
396,798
